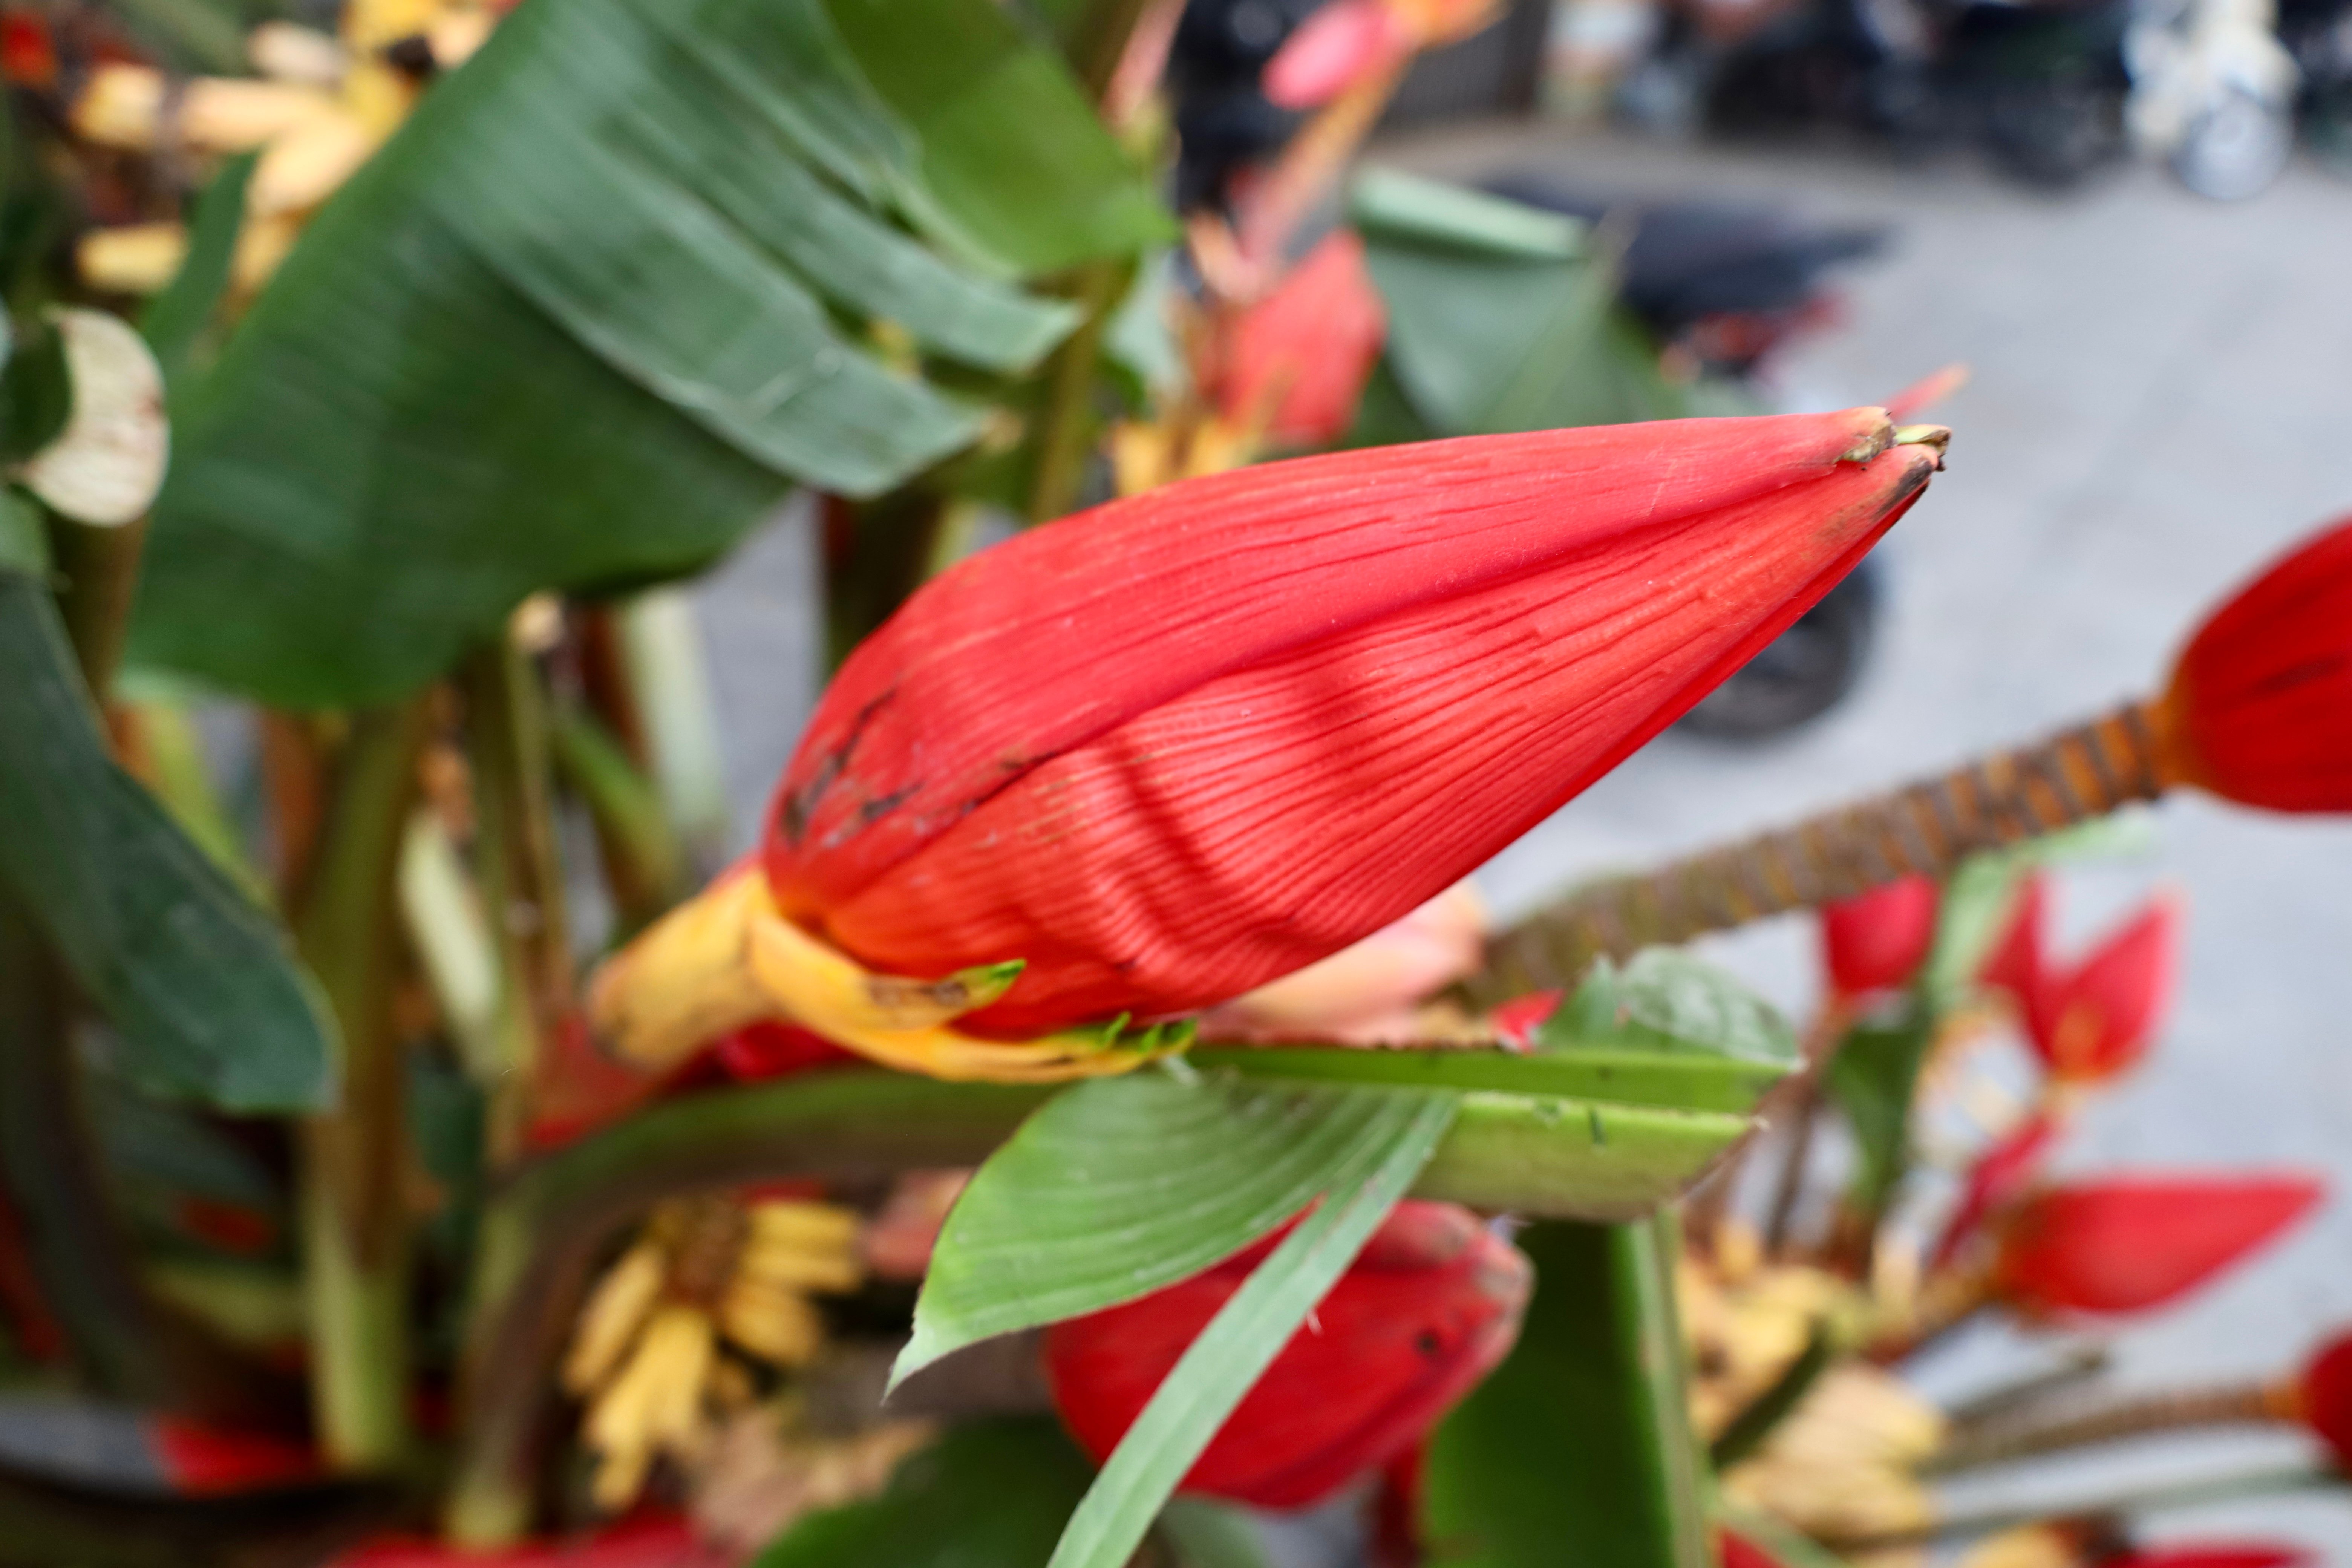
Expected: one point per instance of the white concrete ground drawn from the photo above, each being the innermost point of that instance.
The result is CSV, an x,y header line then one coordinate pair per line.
x,y
2162,398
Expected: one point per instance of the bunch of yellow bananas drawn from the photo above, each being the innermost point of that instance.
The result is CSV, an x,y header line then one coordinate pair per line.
x,y
707,1276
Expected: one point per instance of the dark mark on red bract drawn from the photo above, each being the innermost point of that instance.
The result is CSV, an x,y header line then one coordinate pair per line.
x,y
795,807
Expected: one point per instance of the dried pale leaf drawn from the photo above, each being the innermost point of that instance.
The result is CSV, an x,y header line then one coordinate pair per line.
x,y
106,465
372,24
122,107
290,52
134,259
225,114
306,164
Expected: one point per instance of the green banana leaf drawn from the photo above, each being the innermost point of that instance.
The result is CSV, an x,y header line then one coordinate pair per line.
x,y
201,985
614,286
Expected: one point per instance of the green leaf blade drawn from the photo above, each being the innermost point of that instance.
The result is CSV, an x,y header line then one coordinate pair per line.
x,y
1121,1185
201,986
1241,1342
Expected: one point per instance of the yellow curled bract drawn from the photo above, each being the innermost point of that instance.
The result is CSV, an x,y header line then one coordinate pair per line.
x,y
729,957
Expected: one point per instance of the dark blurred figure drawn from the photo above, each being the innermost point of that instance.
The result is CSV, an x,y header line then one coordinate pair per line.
x,y
2318,32
1223,122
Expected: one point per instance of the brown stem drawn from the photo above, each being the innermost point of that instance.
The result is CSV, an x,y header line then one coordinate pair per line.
x,y
100,568
1927,827
1998,1442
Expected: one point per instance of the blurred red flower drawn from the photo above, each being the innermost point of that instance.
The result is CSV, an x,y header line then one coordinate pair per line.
x,y
2258,698
2129,1243
1428,1308
1295,363
2096,1019
1876,941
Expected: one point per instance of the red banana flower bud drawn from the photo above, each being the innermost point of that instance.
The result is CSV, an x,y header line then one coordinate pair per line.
x,y
1169,748
1296,362
2326,1397
2255,709
1876,941
2095,1020
1431,1305
2130,1243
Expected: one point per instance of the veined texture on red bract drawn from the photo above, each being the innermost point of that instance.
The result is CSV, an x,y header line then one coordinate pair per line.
x,y
1431,1305
2260,696
2130,1243
1172,748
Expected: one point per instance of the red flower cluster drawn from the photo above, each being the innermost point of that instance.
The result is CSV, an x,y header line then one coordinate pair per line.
x,y
1431,1305
1296,362
2096,1019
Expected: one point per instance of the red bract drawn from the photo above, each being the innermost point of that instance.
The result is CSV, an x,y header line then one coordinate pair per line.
x,y
1739,1551
2096,1019
1876,941
2014,964
2000,1176
1297,361
2327,1398
2258,700
2212,1554
2130,1244
1171,748
647,1542
1429,1309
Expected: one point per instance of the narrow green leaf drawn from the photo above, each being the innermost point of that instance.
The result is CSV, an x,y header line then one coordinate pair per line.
x,y
202,990
1021,165
1873,1079
1574,1159
1221,1365
1761,1415
1604,1071
1583,1435
1396,206
1121,1185
175,321
992,1494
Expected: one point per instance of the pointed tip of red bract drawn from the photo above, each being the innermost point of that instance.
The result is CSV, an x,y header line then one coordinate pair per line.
x,y
2258,698
2015,962
2130,1244
1173,748
1876,941
2096,1020
1430,1307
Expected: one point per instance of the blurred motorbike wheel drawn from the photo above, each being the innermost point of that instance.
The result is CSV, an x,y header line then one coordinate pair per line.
x,y
2236,146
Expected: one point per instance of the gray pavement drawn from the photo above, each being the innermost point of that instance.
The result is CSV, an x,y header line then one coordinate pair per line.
x,y
2162,398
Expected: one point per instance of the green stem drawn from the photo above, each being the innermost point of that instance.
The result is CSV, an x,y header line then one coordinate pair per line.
x,y
1097,37
354,1226
523,882
1067,433
1583,1433
644,866
543,1231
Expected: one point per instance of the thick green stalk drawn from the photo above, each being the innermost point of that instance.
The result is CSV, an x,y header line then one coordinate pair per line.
x,y
353,1222
99,572
644,866
522,882
1066,433
1583,1435
545,1228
